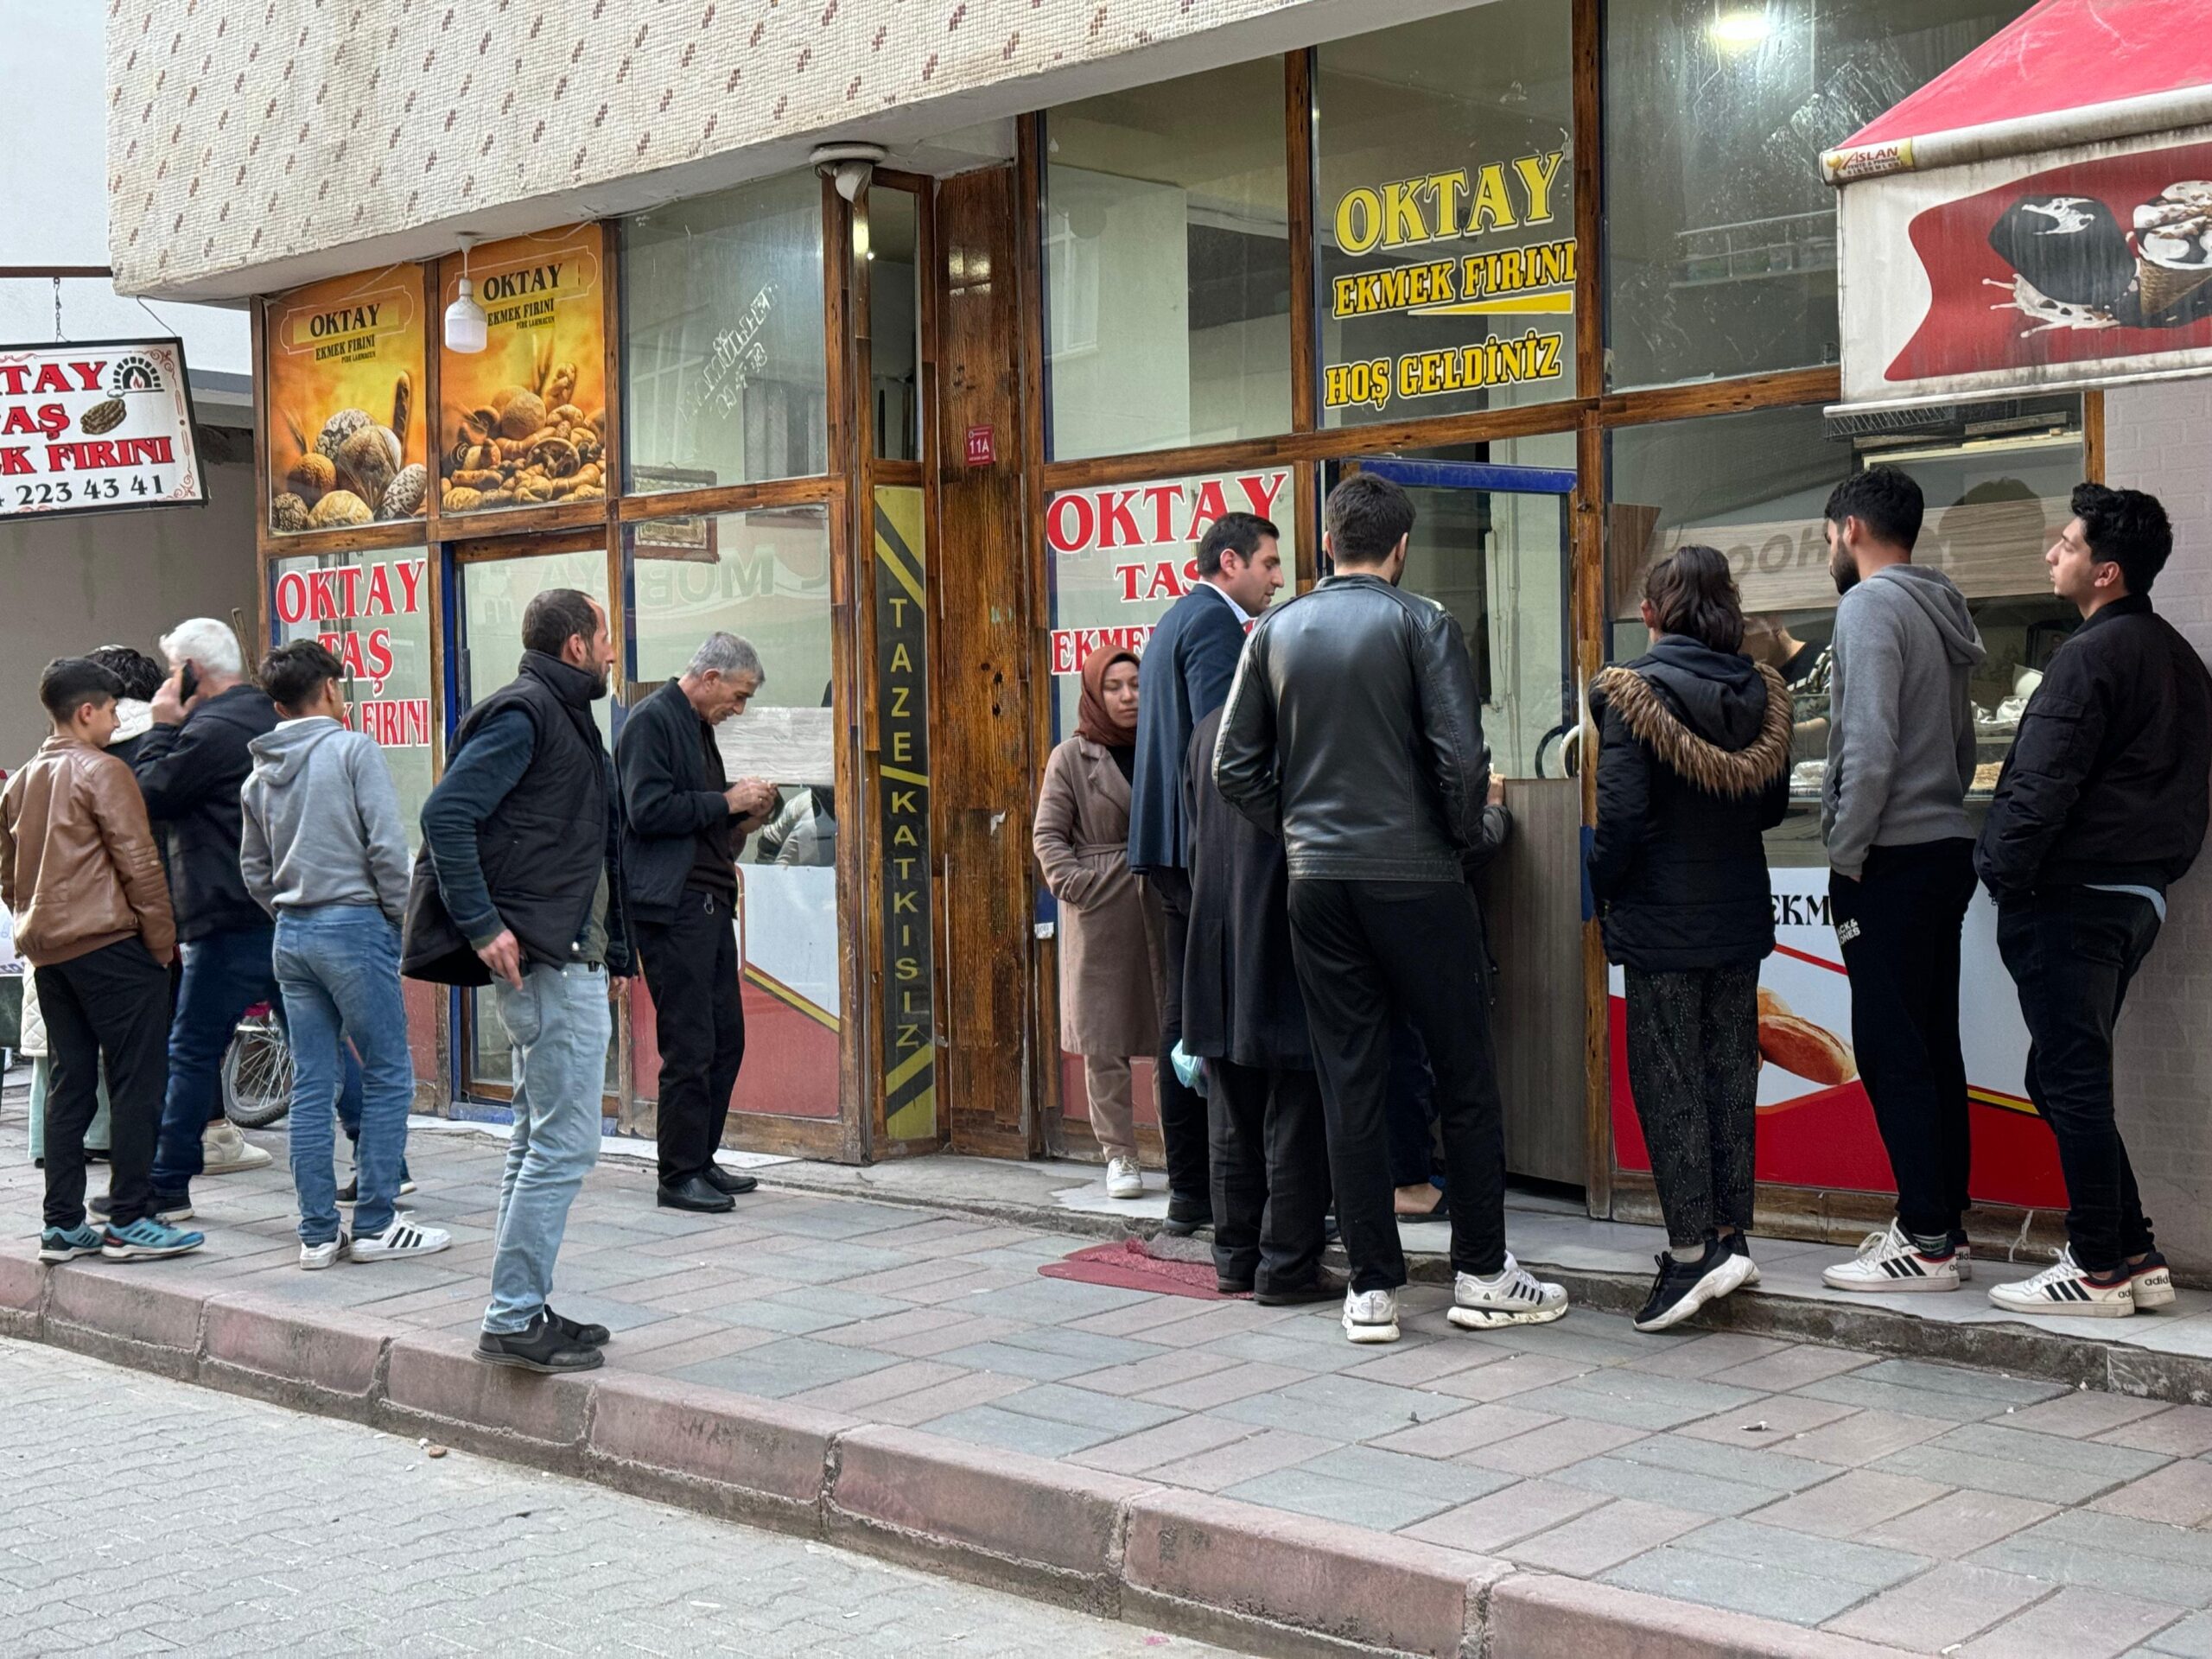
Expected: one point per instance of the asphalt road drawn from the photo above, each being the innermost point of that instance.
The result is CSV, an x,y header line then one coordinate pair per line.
x,y
143,1516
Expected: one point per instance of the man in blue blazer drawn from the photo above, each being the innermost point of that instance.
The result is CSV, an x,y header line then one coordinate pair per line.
x,y
1183,676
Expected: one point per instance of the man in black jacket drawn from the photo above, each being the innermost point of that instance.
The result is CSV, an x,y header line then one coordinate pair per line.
x,y
682,823
190,766
1353,733
1187,665
518,885
2102,803
1243,1015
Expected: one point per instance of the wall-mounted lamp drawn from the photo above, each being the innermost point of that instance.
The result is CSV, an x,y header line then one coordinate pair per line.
x,y
466,327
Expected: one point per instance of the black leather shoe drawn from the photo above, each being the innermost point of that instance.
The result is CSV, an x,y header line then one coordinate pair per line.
x,y
730,1180
541,1345
1232,1286
696,1192
1324,1286
590,1336
1185,1215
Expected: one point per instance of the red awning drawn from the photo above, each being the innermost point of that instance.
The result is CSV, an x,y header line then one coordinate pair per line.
x,y
2038,217
2067,71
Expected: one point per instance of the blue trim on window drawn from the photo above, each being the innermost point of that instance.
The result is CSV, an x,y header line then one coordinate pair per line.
x,y
1475,475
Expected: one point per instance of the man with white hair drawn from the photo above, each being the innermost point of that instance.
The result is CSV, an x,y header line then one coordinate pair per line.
x,y
190,765
682,823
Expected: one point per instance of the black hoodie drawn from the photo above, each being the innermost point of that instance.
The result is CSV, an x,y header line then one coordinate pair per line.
x,y
1694,765
190,775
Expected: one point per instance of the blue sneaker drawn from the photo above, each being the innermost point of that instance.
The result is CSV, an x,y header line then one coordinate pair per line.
x,y
67,1243
146,1239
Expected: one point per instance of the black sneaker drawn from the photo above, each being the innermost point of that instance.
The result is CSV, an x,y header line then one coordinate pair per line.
x,y
1679,1288
1232,1286
1323,1286
732,1181
351,1192
168,1211
1185,1215
592,1336
539,1347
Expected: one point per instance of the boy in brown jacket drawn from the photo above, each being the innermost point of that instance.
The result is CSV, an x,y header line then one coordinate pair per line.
x,y
78,866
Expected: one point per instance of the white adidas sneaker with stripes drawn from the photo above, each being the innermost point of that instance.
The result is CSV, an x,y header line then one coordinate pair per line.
x,y
2062,1287
404,1236
1513,1296
1892,1262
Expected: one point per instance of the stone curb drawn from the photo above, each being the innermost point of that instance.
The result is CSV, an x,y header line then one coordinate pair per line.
x,y
1210,1567
2017,1350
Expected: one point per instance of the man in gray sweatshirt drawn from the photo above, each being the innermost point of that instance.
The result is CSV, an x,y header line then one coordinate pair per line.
x,y
1901,757
324,851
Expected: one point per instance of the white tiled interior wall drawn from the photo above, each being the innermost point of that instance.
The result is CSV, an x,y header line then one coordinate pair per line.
x,y
2160,438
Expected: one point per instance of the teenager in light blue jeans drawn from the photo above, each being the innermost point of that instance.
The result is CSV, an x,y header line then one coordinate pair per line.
x,y
559,1022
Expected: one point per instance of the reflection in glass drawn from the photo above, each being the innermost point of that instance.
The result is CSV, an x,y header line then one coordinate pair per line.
x,y
1720,249
894,312
1996,479
765,576
722,334
1441,143
1168,265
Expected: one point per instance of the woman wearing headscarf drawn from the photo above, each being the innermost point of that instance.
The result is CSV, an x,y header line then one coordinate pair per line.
x,y
1109,930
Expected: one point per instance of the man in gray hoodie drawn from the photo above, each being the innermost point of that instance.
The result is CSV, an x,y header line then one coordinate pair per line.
x,y
324,852
1901,757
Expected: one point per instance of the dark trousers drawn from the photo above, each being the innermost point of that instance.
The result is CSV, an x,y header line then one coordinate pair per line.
x,y
1270,1162
225,974
1693,1068
1363,949
1183,1128
1412,1107
2072,953
1898,926
690,962
109,1005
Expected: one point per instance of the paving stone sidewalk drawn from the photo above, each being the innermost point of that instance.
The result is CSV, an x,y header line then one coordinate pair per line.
x,y
1903,1502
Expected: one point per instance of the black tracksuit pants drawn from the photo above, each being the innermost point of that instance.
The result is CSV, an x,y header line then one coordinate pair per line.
x,y
691,963
1183,1125
112,1004
1363,949
1898,926
1270,1166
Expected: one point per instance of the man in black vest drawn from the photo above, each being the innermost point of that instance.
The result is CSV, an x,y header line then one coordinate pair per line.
x,y
682,821
518,885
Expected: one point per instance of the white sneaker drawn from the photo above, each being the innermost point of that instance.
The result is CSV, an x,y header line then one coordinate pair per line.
x,y
1516,1296
315,1257
2152,1281
1123,1178
402,1237
2062,1287
224,1151
1371,1315
1892,1262
1963,1255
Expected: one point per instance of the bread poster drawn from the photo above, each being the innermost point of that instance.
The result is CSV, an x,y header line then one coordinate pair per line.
x,y
1815,1124
346,426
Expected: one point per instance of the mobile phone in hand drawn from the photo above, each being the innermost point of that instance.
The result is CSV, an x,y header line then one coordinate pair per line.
x,y
188,683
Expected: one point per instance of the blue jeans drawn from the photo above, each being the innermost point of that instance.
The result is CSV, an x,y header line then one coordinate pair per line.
x,y
225,974
560,1027
338,969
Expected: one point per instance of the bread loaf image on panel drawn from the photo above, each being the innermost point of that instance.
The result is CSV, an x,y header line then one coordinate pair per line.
x,y
1771,1002
1805,1050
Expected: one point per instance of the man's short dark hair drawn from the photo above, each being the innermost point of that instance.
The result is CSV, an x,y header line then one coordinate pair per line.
x,y
1239,533
2128,528
70,682
293,674
139,675
1883,499
554,618
1367,517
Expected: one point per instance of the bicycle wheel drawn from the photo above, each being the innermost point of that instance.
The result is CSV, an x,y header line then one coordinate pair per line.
x,y
257,1077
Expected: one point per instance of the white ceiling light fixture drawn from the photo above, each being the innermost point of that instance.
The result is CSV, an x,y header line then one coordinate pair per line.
x,y
1739,30
466,328
850,165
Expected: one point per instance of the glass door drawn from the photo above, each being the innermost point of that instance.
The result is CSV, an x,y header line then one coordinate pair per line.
x,y
1491,543
492,588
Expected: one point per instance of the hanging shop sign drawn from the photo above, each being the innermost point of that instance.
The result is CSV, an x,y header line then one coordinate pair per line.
x,y
1457,284
1815,1124
91,426
347,431
2086,267
524,420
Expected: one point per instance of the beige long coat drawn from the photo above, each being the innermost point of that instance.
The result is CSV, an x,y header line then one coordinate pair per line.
x,y
1109,929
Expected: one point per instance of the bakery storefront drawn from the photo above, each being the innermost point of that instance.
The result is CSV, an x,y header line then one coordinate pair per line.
x,y
1565,272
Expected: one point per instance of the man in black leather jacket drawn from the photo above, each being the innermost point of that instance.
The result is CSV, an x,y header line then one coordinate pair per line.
x,y
1353,731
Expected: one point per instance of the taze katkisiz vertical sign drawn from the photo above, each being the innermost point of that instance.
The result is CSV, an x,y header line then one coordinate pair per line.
x,y
95,425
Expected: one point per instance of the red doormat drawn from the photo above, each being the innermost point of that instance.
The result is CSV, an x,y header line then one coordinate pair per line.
x,y
1130,1266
